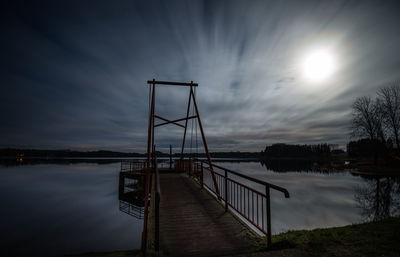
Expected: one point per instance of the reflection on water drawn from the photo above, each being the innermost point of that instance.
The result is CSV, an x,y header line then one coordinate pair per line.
x,y
63,209
132,194
319,200
9,162
278,165
379,197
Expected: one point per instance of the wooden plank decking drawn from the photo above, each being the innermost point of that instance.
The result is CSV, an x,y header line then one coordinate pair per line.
x,y
193,223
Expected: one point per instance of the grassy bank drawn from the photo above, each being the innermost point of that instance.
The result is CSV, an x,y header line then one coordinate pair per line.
x,y
381,238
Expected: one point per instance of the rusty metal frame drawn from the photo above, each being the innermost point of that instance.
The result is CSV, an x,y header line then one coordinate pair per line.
x,y
150,144
172,121
158,82
150,139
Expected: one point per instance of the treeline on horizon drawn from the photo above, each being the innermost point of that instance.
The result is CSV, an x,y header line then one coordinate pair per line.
x,y
37,153
366,148
278,150
281,150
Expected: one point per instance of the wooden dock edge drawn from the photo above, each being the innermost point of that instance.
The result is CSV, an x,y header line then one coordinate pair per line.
x,y
153,243
151,228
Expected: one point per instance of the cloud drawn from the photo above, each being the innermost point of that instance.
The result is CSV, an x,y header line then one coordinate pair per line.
x,y
76,75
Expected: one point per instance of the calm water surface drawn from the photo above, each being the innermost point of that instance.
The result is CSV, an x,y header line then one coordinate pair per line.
x,y
320,200
64,209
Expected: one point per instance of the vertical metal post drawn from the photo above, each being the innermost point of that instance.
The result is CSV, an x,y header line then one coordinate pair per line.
x,y
121,184
149,136
152,117
268,199
150,142
154,158
157,221
226,190
186,122
157,205
205,143
201,175
170,156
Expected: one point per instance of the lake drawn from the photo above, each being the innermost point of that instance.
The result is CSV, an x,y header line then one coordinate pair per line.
x,y
321,200
63,209
51,209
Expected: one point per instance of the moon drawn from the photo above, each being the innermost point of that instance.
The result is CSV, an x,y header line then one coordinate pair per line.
x,y
318,66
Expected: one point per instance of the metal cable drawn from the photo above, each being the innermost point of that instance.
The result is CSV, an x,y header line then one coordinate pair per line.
x,y
148,113
191,136
197,146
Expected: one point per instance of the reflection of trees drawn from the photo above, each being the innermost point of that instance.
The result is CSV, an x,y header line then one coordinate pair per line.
x,y
379,198
279,165
66,161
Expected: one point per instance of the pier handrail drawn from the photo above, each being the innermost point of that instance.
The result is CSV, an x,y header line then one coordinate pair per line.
x,y
245,202
277,188
133,166
157,198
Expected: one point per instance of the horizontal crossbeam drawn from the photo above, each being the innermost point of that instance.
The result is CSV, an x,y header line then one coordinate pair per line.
x,y
174,121
155,82
167,121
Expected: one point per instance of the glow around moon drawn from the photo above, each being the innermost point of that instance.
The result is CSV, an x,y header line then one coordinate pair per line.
x,y
318,66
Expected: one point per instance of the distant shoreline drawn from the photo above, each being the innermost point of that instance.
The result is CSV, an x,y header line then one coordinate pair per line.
x,y
322,163
13,161
31,153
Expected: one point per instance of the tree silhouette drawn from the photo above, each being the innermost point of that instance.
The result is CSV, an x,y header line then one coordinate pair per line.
x,y
366,120
389,107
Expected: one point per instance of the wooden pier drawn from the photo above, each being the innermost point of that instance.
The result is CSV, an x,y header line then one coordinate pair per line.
x,y
188,218
192,223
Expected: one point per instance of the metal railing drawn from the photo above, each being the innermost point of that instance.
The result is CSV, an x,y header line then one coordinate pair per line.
x,y
131,209
246,197
140,165
246,202
133,166
165,164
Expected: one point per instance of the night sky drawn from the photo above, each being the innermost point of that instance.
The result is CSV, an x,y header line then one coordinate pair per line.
x,y
73,73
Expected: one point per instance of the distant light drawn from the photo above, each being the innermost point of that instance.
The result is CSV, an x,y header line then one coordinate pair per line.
x,y
318,66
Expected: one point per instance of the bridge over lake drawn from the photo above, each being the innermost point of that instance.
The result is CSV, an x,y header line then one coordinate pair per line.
x,y
193,207
188,218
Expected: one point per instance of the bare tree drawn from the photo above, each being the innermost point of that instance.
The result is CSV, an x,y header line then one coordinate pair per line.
x,y
366,120
389,102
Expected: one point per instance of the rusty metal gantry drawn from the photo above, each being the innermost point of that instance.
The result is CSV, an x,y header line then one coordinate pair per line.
x,y
152,125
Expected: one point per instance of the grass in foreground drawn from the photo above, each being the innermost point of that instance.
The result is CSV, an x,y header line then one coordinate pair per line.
x,y
381,238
